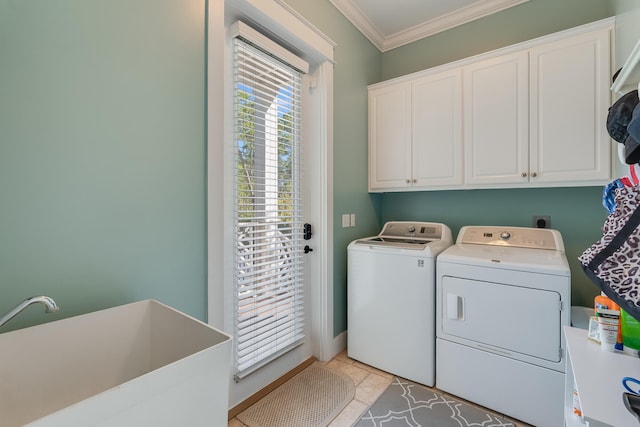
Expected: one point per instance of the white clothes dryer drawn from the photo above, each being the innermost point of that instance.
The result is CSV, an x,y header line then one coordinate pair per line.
x,y
503,296
391,298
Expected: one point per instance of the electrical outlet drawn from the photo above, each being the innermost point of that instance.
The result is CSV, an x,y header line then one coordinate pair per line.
x,y
541,221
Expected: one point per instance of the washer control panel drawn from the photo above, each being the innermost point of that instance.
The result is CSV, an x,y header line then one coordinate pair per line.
x,y
421,230
521,237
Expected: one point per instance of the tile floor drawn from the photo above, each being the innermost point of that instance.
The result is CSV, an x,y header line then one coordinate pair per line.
x,y
370,383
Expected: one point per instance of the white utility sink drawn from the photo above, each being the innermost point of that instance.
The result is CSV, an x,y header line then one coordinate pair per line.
x,y
140,364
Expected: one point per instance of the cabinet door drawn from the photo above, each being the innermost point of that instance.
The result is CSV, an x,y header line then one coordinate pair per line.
x,y
390,137
496,121
436,102
569,102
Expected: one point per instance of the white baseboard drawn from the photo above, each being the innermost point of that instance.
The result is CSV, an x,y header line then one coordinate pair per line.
x,y
338,344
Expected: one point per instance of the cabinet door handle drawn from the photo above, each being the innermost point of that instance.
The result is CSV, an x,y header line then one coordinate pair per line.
x,y
408,181
524,174
533,174
414,180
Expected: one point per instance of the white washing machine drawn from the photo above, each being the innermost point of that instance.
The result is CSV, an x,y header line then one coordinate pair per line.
x,y
503,296
391,298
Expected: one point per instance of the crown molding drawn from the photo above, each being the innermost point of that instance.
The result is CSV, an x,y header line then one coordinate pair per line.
x,y
360,20
384,43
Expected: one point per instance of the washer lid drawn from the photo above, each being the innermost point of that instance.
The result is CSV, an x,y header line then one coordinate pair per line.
x,y
409,235
398,242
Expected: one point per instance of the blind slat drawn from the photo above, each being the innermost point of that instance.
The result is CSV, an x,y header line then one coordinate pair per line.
x,y
251,302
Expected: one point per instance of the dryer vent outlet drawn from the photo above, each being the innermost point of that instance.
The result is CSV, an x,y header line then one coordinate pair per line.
x,y
541,221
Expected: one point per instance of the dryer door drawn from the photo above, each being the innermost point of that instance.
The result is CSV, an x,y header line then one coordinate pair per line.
x,y
503,318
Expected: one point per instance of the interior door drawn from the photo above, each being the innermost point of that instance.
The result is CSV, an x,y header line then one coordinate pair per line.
x,y
502,316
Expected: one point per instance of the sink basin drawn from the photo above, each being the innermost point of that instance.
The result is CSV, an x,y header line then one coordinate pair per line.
x,y
138,364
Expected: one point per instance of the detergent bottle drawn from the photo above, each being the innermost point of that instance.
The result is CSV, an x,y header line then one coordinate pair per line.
x,y
603,303
630,333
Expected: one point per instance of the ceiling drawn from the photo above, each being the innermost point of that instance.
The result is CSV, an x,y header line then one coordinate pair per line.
x,y
393,23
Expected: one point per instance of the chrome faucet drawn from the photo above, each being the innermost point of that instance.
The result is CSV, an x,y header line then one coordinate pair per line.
x,y
49,304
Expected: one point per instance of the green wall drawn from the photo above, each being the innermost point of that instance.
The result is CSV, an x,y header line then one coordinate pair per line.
x,y
519,23
357,65
102,154
623,6
576,212
627,29
103,147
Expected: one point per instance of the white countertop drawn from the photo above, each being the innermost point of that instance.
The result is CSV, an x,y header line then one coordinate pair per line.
x,y
598,376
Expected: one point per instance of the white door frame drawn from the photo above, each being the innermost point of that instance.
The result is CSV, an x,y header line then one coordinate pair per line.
x,y
288,26
320,163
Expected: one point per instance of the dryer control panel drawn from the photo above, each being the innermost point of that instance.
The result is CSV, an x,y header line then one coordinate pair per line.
x,y
519,237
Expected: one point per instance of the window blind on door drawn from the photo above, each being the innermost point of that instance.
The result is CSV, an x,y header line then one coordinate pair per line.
x,y
268,289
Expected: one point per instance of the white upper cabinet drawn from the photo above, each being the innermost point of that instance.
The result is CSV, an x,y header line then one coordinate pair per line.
x,y
570,99
390,137
415,133
531,115
436,130
496,120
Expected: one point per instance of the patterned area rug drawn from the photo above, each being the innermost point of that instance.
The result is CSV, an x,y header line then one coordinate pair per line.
x,y
310,399
404,403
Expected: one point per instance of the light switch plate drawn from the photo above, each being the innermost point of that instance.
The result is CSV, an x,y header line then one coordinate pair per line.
x,y
345,220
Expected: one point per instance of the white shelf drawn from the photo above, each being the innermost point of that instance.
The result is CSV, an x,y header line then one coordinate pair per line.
x,y
629,76
598,377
